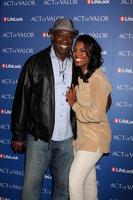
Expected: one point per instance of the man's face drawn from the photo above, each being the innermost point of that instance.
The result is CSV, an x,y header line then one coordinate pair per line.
x,y
62,42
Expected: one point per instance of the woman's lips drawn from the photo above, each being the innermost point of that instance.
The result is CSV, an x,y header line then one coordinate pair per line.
x,y
78,59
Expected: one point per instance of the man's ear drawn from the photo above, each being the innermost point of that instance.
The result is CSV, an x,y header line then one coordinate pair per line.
x,y
51,35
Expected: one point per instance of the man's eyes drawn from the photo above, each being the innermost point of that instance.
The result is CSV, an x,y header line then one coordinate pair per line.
x,y
59,35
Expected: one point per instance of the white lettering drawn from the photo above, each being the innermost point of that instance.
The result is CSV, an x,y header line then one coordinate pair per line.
x,y
4,126
126,36
127,2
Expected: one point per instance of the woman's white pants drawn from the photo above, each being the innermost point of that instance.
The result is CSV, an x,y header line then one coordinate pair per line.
x,y
82,178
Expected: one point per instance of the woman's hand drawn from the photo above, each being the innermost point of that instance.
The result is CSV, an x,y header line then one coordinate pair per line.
x,y
71,96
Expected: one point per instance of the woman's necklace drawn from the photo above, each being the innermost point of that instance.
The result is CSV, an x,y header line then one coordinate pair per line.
x,y
62,68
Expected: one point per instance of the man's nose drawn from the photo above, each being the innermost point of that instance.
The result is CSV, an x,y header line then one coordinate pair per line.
x,y
66,39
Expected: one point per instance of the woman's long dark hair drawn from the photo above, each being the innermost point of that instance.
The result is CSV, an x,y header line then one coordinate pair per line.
x,y
93,50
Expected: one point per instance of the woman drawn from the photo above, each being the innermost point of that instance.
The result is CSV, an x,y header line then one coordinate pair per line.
x,y
88,100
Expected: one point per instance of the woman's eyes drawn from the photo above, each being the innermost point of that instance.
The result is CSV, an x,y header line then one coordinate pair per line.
x,y
80,50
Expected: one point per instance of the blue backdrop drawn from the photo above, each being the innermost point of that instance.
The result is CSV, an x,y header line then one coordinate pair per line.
x,y
24,31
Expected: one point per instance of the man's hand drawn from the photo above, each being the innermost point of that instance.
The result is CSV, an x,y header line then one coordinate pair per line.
x,y
18,146
109,102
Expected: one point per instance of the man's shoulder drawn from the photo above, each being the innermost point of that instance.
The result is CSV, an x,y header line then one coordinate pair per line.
x,y
41,54
40,58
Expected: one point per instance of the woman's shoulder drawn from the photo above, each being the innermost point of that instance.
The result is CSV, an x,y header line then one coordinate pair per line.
x,y
100,76
99,73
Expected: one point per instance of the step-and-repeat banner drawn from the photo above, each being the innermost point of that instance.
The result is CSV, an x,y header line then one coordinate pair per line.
x,y
24,31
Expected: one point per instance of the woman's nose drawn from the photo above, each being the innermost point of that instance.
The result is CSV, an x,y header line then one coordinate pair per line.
x,y
76,53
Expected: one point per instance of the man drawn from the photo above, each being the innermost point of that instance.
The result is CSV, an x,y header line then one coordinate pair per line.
x,y
41,115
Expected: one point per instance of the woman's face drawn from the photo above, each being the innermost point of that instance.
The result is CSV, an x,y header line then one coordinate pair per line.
x,y
80,55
